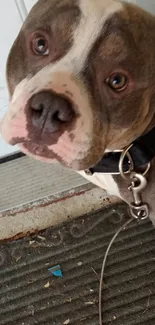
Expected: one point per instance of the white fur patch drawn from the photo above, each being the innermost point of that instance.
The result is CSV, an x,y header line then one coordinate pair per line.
x,y
19,89
104,181
94,15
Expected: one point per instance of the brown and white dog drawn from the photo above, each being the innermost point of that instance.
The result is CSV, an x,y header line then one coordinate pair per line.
x,y
81,79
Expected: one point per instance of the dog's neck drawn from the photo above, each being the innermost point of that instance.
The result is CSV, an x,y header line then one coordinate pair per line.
x,y
150,126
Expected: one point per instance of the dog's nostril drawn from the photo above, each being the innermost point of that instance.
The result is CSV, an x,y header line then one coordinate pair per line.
x,y
55,117
40,108
37,106
64,114
37,109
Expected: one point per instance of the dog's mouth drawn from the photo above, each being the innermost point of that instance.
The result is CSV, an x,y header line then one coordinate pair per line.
x,y
54,122
39,151
73,155
46,154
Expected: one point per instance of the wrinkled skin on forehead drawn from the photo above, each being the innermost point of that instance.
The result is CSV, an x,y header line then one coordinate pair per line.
x,y
77,67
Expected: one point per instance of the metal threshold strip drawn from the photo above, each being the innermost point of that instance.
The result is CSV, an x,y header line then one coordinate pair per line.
x,y
25,180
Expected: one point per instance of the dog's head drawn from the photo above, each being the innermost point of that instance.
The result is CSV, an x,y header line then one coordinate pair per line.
x,y
81,80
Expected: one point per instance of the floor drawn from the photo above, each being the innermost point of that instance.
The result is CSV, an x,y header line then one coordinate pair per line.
x,y
36,196
25,180
32,293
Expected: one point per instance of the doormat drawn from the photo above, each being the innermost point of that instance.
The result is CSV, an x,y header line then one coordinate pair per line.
x,y
52,278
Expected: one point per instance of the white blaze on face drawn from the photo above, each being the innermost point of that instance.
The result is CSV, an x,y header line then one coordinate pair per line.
x,y
63,76
94,15
19,90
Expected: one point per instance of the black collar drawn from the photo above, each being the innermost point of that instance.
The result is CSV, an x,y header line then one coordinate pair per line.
x,y
142,152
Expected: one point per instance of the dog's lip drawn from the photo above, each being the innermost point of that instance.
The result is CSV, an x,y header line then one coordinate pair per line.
x,y
31,143
35,150
15,142
32,147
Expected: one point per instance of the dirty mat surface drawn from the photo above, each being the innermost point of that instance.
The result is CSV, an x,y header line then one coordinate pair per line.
x,y
30,294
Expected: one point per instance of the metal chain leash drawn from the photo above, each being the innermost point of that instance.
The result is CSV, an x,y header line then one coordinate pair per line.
x,y
139,210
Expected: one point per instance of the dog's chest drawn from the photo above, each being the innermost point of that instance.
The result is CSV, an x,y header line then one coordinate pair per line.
x,y
105,181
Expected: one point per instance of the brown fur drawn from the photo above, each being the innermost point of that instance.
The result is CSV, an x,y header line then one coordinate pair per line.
x,y
58,20
127,43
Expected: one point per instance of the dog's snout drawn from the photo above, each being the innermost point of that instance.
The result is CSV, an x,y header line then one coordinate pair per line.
x,y
50,110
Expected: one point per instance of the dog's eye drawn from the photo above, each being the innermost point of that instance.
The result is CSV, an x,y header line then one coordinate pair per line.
x,y
40,46
117,81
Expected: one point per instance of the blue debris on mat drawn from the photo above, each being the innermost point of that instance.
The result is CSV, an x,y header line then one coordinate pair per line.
x,y
56,270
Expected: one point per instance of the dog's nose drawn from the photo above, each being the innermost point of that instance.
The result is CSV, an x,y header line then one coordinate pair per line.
x,y
50,111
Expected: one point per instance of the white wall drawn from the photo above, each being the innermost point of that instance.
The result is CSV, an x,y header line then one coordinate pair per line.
x,y
147,4
8,32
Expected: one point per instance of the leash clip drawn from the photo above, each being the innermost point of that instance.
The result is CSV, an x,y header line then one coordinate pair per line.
x,y
138,182
138,209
